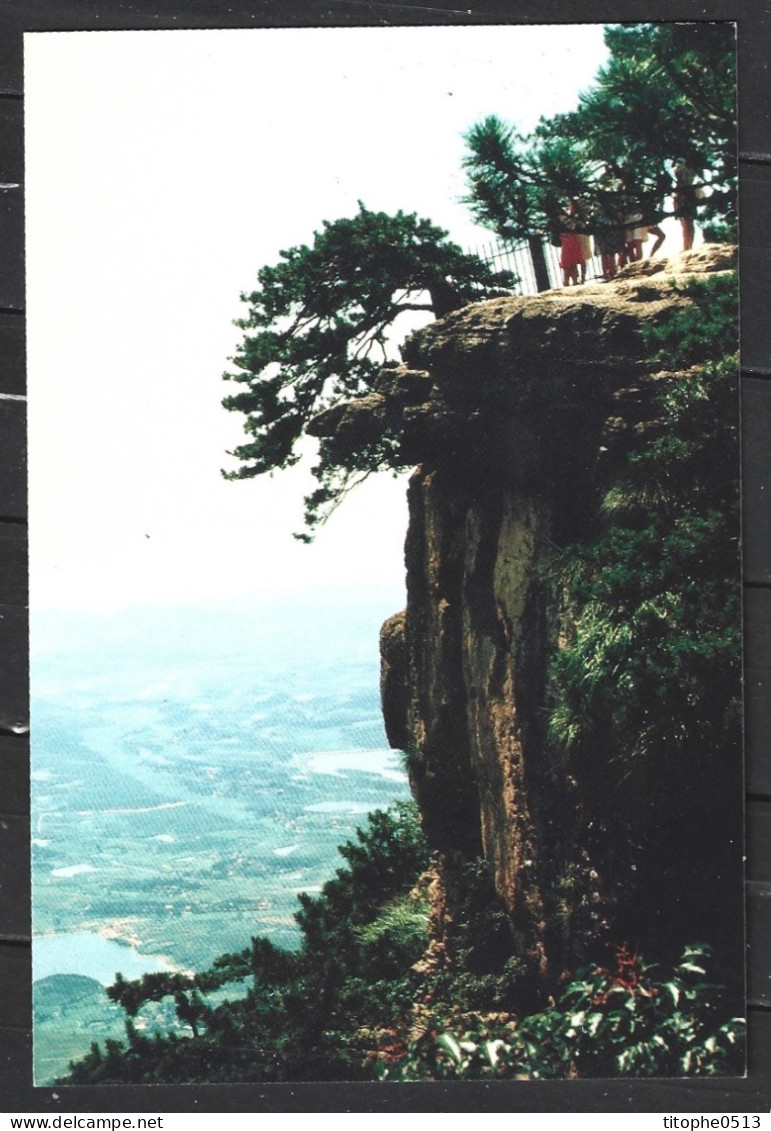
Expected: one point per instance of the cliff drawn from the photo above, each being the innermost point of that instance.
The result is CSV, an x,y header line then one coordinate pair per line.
x,y
519,413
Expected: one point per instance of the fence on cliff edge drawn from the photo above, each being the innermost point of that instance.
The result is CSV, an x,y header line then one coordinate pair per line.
x,y
516,257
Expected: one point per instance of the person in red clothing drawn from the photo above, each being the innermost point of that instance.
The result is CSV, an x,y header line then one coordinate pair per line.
x,y
572,248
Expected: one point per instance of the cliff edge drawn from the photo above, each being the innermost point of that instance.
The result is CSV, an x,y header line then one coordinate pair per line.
x,y
518,413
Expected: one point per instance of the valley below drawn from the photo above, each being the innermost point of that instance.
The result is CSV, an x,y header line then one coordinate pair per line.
x,y
182,798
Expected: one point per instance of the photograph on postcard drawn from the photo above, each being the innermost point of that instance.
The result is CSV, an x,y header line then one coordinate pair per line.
x,y
385,589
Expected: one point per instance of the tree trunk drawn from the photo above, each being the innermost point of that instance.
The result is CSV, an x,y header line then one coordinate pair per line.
x,y
538,256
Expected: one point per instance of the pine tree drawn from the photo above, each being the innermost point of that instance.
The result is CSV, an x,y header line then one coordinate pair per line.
x,y
317,333
668,92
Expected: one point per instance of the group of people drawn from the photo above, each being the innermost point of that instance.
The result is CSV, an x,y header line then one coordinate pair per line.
x,y
617,240
616,228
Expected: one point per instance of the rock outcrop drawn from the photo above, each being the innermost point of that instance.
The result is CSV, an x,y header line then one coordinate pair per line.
x,y
516,411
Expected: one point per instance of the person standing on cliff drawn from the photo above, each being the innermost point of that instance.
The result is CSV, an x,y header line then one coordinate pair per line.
x,y
635,233
584,239
687,195
653,211
571,247
609,238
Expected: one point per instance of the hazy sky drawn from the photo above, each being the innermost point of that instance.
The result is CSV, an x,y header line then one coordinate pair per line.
x,y
163,169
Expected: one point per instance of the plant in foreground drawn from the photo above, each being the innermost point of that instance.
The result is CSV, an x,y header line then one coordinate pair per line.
x,y
631,1021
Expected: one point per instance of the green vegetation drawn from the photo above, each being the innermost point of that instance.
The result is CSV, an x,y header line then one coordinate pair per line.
x,y
319,323
654,595
349,1005
646,691
317,333
641,718
307,1014
633,1021
644,726
74,1011
668,92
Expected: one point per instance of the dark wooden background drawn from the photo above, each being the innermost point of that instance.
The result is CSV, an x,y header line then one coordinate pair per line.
x,y
752,1094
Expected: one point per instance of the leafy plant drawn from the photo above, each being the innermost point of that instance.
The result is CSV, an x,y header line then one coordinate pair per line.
x,y
632,1021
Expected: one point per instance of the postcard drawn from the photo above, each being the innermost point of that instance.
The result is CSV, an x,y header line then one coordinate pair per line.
x,y
385,590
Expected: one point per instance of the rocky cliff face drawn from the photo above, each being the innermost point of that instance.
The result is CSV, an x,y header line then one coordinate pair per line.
x,y
516,411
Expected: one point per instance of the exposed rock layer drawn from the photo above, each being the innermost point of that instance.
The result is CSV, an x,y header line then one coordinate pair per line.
x,y
517,411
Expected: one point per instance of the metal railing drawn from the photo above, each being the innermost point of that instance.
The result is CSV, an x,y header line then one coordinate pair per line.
x,y
516,257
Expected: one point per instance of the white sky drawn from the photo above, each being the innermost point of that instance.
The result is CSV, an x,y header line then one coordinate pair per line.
x,y
163,170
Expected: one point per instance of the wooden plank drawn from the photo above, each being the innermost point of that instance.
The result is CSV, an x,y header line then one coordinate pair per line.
x,y
13,564
11,53
759,944
14,775
13,459
11,140
14,877
13,375
757,690
48,15
759,841
16,1068
757,736
754,139
16,980
12,243
759,1047
757,624
755,267
14,669
756,479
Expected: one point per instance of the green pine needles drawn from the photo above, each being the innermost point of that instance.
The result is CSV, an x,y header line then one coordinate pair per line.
x,y
306,1014
667,92
323,321
319,329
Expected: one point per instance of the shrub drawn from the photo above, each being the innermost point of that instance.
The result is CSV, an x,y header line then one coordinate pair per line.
x,y
633,1021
